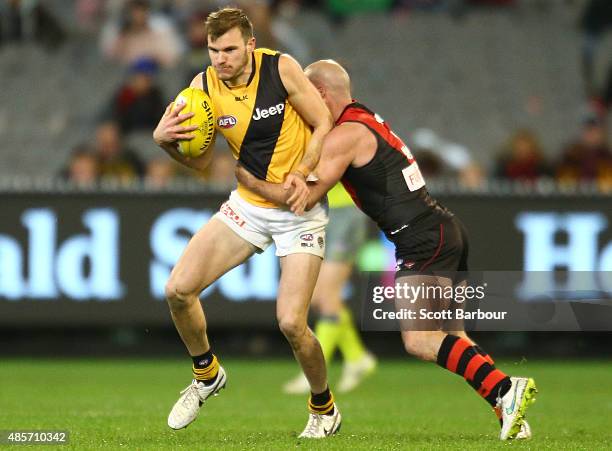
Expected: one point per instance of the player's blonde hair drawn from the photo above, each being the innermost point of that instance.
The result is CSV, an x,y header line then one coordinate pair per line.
x,y
220,22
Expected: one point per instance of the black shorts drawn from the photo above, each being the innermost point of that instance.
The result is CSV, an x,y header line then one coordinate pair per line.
x,y
435,243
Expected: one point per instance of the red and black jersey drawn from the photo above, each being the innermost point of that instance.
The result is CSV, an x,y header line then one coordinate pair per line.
x,y
389,188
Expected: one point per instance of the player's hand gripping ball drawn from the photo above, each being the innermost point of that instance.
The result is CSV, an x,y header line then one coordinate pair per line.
x,y
198,102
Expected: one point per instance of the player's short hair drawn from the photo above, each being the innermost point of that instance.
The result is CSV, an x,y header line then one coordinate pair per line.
x,y
220,22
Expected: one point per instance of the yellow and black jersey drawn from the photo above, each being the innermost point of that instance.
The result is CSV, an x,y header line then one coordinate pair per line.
x,y
266,135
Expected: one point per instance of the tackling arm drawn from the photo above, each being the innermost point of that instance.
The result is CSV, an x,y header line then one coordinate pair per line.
x,y
339,148
274,192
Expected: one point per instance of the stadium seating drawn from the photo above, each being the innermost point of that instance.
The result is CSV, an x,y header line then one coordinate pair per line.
x,y
468,79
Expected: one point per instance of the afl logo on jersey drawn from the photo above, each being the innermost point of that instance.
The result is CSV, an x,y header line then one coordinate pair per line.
x,y
226,121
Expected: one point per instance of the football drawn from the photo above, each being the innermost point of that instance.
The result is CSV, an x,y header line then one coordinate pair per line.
x,y
198,102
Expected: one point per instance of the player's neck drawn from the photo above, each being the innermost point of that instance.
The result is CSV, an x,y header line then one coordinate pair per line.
x,y
338,108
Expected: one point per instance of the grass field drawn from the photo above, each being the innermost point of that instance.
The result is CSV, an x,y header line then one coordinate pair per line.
x,y
406,405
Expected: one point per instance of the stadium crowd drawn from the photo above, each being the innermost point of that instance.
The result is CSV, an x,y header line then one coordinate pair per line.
x,y
143,38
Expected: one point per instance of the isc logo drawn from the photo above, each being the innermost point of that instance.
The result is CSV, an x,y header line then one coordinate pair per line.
x,y
267,112
226,121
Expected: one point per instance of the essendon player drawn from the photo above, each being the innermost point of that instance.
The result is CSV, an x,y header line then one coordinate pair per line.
x,y
383,178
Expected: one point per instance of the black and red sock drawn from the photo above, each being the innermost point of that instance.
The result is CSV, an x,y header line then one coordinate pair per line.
x,y
485,355
488,358
459,356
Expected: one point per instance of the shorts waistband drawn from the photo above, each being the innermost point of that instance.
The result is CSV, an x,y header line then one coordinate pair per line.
x,y
437,212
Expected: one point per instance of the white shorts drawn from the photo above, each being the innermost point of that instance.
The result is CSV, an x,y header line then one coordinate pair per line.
x,y
260,226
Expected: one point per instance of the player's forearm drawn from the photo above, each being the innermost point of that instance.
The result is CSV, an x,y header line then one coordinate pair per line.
x,y
273,192
317,192
312,154
172,150
197,164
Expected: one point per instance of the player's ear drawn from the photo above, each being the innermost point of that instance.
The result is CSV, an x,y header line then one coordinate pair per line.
x,y
250,44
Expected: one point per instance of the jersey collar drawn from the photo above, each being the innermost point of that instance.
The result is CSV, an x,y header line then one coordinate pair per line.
x,y
254,69
350,105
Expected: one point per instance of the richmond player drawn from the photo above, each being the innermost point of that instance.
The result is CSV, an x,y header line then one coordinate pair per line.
x,y
274,121
384,180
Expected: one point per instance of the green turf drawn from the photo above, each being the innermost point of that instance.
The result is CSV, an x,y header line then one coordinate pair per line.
x,y
406,405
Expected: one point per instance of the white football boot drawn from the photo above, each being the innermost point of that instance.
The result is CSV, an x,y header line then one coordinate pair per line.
x,y
524,433
321,426
354,373
297,386
186,409
513,406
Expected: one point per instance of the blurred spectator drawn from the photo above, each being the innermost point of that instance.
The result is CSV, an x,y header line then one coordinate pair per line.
x,y
138,34
340,10
442,158
30,20
522,159
11,23
430,164
493,3
588,159
260,14
197,54
606,98
138,103
89,14
160,172
289,39
116,161
456,8
426,5
471,176
272,24
82,169
596,21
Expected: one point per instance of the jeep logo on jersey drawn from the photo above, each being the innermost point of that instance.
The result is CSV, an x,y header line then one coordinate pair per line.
x,y
226,121
266,112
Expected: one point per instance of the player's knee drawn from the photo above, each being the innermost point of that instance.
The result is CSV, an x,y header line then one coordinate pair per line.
x,y
415,343
178,294
292,326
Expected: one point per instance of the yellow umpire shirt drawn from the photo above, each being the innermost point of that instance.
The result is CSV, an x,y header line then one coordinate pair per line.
x,y
337,197
266,135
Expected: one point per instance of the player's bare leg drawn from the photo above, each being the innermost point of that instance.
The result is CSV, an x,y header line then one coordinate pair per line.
x,y
212,251
298,277
335,329
424,339
327,300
